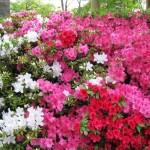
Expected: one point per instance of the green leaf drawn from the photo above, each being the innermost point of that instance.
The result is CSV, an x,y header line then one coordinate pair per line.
x,y
39,42
96,147
119,104
114,118
97,95
141,125
119,115
96,132
123,103
138,129
90,92
122,99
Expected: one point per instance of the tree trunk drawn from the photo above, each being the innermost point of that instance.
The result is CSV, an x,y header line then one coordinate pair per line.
x,y
79,3
95,5
66,5
62,5
4,8
147,4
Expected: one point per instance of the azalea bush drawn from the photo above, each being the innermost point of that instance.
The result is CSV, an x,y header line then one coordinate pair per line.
x,y
74,83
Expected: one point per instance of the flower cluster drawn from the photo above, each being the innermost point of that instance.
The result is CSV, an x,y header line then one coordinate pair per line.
x,y
73,83
12,121
67,37
107,125
24,81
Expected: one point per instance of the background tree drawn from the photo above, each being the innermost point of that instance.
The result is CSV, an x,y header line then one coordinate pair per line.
x,y
4,8
37,5
147,4
62,5
103,7
95,4
79,3
65,4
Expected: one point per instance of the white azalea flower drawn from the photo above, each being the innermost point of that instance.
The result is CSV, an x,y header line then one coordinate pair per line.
x,y
47,68
96,81
31,36
100,58
40,18
66,93
20,40
35,118
6,38
56,69
108,79
24,81
19,111
18,87
89,66
1,83
8,19
12,121
1,102
1,26
9,139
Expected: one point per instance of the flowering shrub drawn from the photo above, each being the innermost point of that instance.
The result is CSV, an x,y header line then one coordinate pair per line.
x,y
74,83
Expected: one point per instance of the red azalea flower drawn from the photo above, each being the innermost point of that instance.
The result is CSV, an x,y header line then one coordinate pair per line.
x,y
49,43
94,137
132,123
67,37
81,94
92,115
76,126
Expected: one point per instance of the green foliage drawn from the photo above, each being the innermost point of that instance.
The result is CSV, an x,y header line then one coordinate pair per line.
x,y
84,125
147,11
119,7
37,5
83,11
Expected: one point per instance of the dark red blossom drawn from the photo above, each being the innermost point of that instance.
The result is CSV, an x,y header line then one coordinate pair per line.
x,y
76,126
81,94
94,137
68,37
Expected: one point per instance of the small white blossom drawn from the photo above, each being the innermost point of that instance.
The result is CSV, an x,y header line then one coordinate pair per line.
x,y
1,26
1,102
46,20
7,46
47,68
35,118
5,38
66,93
18,87
20,40
56,69
108,79
100,58
1,83
89,66
96,81
24,81
8,19
31,36
40,18
9,139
